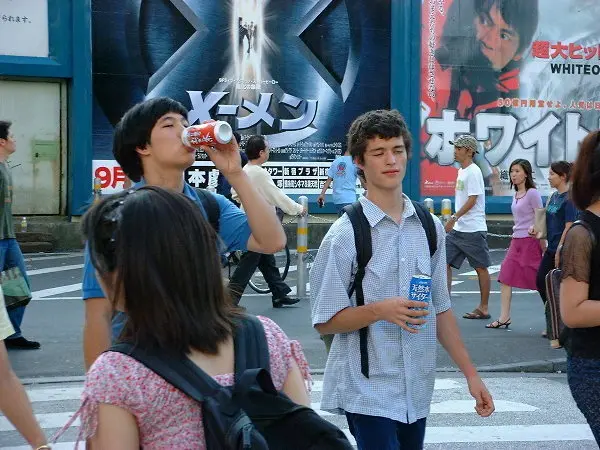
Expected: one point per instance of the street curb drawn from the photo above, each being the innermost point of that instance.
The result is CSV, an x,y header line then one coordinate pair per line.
x,y
539,366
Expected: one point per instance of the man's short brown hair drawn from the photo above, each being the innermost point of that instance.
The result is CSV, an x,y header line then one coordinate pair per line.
x,y
381,123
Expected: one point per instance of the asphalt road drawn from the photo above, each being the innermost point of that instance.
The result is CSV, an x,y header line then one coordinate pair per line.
x,y
55,318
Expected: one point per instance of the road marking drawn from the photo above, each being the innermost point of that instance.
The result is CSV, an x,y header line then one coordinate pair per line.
x,y
509,433
56,298
54,394
467,407
54,256
37,295
491,270
47,420
61,446
54,269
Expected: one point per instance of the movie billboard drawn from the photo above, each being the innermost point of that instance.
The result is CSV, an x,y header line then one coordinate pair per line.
x,y
520,75
297,72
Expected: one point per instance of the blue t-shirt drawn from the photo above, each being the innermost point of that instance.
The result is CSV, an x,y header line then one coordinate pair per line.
x,y
559,211
233,230
343,173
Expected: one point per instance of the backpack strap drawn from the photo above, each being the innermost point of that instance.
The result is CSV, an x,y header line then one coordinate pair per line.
x,y
250,346
428,225
211,207
178,372
364,251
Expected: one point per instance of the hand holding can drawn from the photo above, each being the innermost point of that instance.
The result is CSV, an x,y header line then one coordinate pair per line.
x,y
420,290
209,134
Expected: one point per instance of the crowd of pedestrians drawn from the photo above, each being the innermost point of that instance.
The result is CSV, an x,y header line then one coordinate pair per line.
x,y
174,311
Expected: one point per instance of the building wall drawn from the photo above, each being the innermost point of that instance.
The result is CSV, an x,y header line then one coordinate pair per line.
x,y
45,90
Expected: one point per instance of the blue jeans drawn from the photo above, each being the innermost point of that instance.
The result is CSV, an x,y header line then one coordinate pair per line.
x,y
380,433
11,256
584,380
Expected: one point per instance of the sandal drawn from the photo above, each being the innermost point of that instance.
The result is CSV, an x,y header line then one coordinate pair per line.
x,y
476,314
498,324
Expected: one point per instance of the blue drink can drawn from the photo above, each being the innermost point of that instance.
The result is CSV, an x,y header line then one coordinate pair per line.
x,y
419,290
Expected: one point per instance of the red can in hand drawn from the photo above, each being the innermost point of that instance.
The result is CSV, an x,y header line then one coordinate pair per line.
x,y
208,134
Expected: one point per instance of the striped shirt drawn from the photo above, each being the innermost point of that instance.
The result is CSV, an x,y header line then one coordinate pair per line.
x,y
401,364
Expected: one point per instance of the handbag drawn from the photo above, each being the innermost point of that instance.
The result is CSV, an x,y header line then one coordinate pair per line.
x,y
15,288
540,220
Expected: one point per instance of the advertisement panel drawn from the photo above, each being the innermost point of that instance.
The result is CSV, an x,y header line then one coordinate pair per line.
x,y
24,28
520,75
297,72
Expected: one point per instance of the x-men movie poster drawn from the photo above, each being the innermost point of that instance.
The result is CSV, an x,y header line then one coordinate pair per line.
x,y
296,71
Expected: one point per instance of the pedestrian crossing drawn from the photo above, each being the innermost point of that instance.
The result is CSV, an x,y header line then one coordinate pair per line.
x,y
531,412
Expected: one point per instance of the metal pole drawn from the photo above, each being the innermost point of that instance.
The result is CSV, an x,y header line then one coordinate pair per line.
x,y
302,248
446,210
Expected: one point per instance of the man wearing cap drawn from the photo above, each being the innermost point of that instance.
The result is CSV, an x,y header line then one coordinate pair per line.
x,y
467,229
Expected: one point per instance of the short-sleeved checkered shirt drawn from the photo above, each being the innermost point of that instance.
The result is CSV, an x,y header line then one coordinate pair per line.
x,y
401,364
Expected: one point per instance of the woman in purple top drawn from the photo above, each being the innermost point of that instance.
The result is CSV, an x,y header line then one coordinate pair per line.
x,y
522,261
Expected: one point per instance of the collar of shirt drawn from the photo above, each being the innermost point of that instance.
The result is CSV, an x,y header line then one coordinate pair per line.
x,y
188,191
374,214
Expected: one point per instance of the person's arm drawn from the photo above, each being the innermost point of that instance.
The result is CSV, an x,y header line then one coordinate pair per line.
x,y
267,233
332,309
14,403
448,332
295,388
395,310
96,329
98,315
461,212
324,190
117,429
275,196
449,336
576,309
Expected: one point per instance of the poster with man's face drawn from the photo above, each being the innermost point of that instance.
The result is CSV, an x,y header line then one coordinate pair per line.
x,y
297,72
519,75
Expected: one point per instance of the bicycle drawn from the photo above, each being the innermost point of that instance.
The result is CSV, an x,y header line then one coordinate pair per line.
x,y
257,283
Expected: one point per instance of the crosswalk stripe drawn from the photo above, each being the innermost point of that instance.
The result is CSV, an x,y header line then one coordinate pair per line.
x,y
508,433
60,446
492,270
54,269
55,291
47,420
54,394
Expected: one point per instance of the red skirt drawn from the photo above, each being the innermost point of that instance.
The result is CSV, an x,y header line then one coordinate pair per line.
x,y
521,264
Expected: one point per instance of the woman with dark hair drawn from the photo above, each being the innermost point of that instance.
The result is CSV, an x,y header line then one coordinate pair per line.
x,y
560,215
520,266
580,284
156,258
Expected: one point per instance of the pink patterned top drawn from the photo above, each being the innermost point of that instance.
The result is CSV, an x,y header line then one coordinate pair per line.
x,y
166,417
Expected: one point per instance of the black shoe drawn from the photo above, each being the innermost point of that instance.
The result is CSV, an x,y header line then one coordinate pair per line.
x,y
21,343
284,301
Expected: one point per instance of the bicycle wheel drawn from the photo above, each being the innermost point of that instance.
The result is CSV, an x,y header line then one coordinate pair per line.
x,y
258,283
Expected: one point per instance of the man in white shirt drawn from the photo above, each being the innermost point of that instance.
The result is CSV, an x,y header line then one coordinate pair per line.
x,y
467,228
257,151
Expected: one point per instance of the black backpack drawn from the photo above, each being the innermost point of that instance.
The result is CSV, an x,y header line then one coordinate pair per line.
x,y
251,414
213,212
364,251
